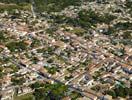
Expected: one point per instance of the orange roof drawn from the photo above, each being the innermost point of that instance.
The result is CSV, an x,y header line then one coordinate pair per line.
x,y
28,42
2,46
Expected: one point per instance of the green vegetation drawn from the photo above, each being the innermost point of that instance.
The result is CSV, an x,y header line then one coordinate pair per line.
x,y
46,5
41,50
123,25
56,91
51,70
118,52
12,7
90,18
2,37
78,31
13,46
54,5
74,95
35,43
1,72
49,91
34,60
37,85
15,1
96,88
127,35
48,50
86,19
68,77
109,31
71,69
96,75
129,4
17,80
14,68
112,93
28,96
120,92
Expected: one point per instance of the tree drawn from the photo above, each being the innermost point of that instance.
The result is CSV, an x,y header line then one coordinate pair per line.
x,y
12,46
18,81
2,37
51,70
40,94
37,85
74,95
35,43
112,93
50,91
1,73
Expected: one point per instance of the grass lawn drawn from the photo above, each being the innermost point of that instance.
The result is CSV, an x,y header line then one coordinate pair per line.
x,y
28,96
10,7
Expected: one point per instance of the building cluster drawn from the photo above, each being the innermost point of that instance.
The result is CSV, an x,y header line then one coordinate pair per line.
x,y
32,48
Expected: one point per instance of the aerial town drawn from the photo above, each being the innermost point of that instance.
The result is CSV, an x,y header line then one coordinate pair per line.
x,y
65,49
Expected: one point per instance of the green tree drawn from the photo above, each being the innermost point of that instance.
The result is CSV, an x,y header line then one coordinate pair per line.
x,y
112,93
12,46
18,81
50,91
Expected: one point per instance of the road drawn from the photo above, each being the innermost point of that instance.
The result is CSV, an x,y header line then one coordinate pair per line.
x,y
87,49
43,76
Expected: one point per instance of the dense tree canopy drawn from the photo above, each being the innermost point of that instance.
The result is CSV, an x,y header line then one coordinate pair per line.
x,y
13,46
47,5
49,91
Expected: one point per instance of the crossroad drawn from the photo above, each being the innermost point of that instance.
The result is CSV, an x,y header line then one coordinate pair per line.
x,y
44,75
